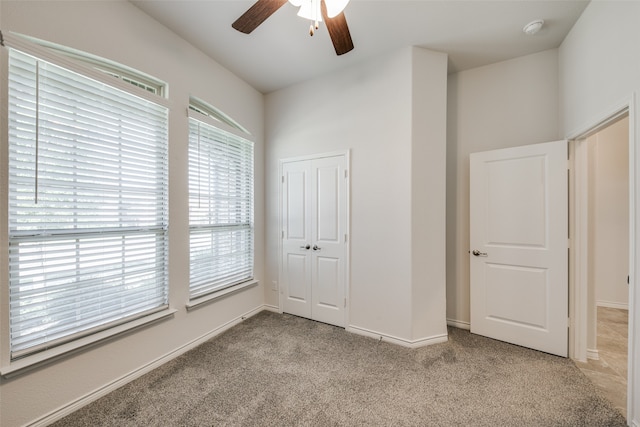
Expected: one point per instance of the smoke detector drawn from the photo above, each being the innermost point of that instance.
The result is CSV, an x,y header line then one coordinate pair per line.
x,y
533,27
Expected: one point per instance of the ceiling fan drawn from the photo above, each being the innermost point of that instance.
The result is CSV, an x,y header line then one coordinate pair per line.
x,y
331,11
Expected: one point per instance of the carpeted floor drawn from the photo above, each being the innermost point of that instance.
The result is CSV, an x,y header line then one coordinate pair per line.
x,y
281,370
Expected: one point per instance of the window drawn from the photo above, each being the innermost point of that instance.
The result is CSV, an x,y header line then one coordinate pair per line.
x,y
88,208
207,110
220,208
119,71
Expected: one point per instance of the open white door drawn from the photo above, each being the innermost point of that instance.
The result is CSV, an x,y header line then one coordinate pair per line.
x,y
519,246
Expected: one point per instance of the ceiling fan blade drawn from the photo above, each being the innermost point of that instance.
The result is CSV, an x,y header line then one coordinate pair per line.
x,y
338,30
256,15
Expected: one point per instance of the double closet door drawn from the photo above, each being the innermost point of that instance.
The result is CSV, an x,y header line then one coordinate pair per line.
x,y
314,235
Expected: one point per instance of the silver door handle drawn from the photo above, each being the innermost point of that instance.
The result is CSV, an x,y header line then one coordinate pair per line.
x,y
316,248
307,247
478,253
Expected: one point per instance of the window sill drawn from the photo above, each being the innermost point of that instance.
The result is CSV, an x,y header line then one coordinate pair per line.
x,y
220,294
28,363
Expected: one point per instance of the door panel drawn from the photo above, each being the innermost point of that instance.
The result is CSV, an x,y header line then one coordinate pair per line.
x,y
519,232
328,201
510,283
314,198
514,188
326,291
297,277
296,208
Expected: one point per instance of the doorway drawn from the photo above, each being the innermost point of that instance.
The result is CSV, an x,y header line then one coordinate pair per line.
x,y
604,183
314,244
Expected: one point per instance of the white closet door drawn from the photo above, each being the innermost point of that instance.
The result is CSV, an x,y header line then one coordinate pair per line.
x,y
314,238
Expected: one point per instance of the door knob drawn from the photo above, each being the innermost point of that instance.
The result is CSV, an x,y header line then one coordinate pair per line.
x,y
316,248
478,253
307,247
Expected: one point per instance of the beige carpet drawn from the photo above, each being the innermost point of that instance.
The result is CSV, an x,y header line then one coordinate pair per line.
x,y
281,370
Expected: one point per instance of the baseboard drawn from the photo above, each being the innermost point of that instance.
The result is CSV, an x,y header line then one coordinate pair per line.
x,y
65,410
272,308
593,354
610,304
422,342
459,324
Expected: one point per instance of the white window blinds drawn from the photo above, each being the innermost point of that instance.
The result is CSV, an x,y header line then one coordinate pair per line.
x,y
220,209
87,205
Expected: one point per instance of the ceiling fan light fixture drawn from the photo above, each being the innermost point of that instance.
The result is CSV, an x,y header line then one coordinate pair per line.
x,y
315,9
310,9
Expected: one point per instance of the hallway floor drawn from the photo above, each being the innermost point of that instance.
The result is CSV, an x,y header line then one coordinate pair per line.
x,y
609,373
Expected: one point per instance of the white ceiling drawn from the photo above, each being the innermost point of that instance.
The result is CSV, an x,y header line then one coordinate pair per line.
x,y
280,52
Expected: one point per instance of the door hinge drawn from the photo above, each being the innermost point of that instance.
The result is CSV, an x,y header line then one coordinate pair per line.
x,y
283,234
345,303
346,173
345,238
283,179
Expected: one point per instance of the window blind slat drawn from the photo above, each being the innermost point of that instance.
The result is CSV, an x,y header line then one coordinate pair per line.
x,y
88,211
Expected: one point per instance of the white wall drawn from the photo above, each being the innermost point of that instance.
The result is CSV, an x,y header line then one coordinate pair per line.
x,y
428,193
611,215
118,31
372,109
600,70
502,105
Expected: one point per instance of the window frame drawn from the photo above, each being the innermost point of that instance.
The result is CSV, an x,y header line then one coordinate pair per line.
x,y
210,120
9,367
219,118
118,71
